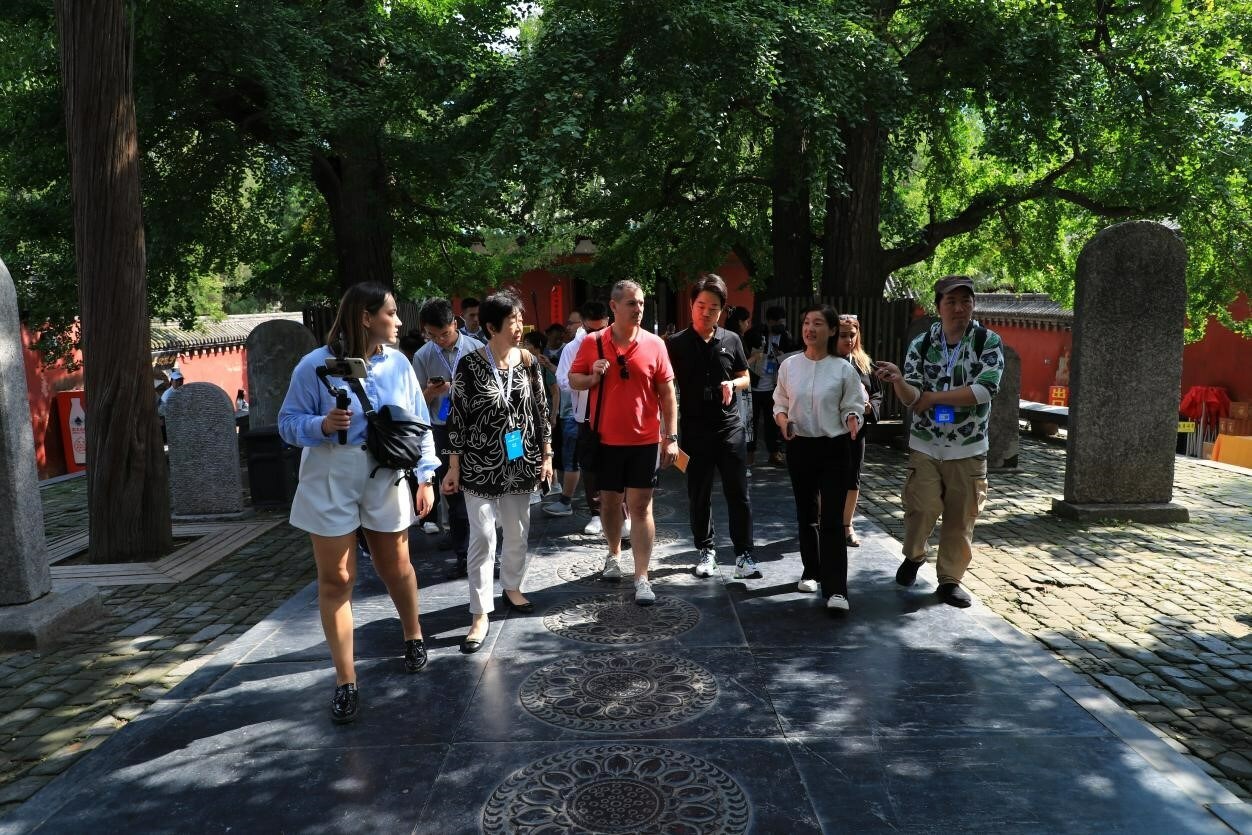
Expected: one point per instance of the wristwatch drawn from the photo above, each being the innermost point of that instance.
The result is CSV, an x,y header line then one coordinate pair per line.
x,y
671,438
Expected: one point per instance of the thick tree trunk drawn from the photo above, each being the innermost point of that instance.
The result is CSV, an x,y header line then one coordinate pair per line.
x,y
353,181
127,487
791,232
852,255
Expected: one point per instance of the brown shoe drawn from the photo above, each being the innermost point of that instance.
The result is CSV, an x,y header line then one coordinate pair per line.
x,y
777,459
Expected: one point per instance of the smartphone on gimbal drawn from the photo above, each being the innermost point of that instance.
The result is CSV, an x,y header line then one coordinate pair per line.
x,y
346,367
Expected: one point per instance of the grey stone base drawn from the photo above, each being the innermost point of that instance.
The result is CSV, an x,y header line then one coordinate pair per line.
x,y
1152,513
43,622
1009,465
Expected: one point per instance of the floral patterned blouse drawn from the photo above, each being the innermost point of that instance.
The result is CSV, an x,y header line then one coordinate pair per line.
x,y
480,418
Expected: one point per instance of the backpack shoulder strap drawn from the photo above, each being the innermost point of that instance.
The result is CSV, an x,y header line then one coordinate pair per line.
x,y
980,340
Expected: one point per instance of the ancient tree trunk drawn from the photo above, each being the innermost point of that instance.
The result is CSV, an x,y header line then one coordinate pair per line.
x,y
852,262
792,236
353,181
127,492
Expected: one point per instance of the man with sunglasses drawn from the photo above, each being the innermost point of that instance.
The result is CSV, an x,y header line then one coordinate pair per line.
x,y
711,370
629,369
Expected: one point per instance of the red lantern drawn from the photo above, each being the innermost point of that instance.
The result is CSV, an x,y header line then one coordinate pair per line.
x,y
556,304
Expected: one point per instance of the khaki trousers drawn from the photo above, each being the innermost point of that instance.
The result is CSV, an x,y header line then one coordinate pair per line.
x,y
955,489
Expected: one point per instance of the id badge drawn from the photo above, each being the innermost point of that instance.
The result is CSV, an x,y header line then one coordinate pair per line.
x,y
945,414
513,444
771,366
445,407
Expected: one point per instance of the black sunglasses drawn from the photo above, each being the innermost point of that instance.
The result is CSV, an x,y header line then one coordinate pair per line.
x,y
621,367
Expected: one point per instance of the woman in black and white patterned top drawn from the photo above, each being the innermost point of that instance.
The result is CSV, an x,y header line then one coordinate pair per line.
x,y
500,446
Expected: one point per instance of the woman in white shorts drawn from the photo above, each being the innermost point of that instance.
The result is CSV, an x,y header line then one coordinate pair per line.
x,y
337,493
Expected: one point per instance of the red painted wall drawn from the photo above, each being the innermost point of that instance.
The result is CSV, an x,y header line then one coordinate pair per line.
x,y
224,368
1222,358
739,291
1040,350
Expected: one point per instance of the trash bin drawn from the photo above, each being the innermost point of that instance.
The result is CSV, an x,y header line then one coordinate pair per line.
x,y
273,467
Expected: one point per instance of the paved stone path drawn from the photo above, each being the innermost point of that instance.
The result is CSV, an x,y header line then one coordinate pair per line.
x,y
1160,616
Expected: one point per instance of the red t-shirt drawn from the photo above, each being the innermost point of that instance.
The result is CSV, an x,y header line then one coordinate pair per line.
x,y
632,412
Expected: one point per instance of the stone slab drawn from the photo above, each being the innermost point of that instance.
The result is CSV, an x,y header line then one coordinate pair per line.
x,y
45,622
1160,513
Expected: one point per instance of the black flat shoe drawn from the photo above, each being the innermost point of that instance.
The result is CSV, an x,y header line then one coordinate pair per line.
x,y
907,572
414,655
954,595
346,704
525,608
471,645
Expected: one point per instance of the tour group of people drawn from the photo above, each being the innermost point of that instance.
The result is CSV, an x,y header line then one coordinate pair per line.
x,y
605,402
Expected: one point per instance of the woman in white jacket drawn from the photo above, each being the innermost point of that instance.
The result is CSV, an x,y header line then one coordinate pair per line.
x,y
819,405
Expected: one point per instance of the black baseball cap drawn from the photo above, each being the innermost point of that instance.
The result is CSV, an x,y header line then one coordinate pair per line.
x,y
949,283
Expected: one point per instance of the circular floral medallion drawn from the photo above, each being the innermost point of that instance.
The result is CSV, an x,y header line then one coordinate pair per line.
x,y
667,569
618,692
618,789
616,619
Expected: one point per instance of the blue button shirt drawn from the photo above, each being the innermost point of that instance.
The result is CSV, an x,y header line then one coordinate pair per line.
x,y
389,381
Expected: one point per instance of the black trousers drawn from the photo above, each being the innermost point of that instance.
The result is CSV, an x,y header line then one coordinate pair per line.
x,y
458,517
763,413
819,480
727,455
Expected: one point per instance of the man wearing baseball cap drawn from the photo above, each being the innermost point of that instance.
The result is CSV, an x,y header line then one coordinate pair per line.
x,y
951,372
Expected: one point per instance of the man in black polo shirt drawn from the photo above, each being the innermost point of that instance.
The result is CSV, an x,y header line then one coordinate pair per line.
x,y
711,368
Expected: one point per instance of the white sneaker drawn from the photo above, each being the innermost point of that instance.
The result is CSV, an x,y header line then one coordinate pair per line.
x,y
612,567
707,566
806,585
643,593
594,527
430,527
837,601
747,473
626,528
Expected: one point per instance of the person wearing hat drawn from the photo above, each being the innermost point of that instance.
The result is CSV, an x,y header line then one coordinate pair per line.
x,y
176,382
951,372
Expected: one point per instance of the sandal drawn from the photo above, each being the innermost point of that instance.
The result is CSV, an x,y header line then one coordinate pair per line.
x,y
849,536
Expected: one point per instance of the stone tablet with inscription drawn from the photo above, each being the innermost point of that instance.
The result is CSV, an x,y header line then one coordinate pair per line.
x,y
1003,431
204,452
274,348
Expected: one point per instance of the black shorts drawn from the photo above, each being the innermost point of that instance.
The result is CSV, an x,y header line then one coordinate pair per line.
x,y
621,467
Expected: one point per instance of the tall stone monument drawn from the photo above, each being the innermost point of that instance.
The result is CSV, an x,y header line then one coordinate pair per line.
x,y
1129,307
205,479
274,348
31,614
1003,433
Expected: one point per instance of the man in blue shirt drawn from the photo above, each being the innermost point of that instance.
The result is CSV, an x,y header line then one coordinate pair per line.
x,y
435,365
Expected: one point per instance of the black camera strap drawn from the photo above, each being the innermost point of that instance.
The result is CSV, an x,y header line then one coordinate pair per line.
x,y
595,427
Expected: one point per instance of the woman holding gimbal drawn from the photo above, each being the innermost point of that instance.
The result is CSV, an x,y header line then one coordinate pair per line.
x,y
341,487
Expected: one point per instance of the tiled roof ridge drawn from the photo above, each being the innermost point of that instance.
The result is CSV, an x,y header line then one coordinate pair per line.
x,y
168,336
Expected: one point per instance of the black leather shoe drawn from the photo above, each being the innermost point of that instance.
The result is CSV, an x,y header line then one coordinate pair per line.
x,y
907,572
954,595
525,608
414,655
346,704
471,645
462,566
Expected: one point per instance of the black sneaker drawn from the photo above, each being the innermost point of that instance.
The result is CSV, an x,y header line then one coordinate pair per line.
x,y
414,655
907,572
954,595
346,704
462,566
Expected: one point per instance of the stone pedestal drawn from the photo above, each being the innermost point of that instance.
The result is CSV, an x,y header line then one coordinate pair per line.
x,y
1003,435
31,614
273,348
1129,308
205,479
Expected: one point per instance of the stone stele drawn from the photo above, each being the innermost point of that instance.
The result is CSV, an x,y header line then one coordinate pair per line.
x,y
1129,309
32,615
273,348
205,478
1003,432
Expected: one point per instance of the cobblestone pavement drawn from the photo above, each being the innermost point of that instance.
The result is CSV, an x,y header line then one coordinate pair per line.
x,y
1158,615
56,706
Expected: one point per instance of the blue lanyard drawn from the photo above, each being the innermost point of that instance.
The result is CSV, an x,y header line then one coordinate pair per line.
x,y
451,366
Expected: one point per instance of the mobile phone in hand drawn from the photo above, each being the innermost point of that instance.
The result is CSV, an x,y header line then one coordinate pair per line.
x,y
436,381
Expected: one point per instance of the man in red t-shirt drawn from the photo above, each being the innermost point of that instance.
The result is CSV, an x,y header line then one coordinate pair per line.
x,y
639,407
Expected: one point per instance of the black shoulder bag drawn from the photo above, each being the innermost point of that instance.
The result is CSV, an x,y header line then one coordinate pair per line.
x,y
589,433
393,436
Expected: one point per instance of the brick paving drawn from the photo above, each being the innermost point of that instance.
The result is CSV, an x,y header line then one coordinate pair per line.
x,y
1158,615
56,706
